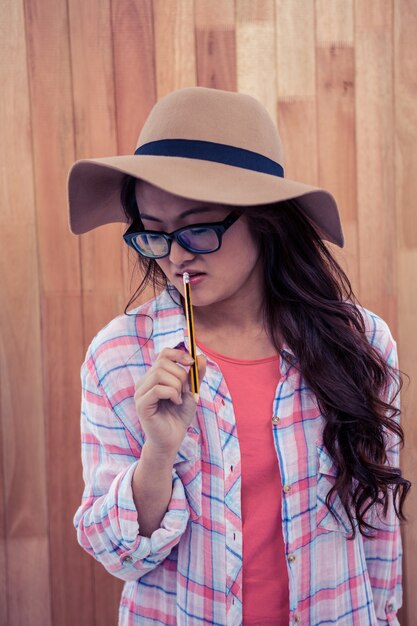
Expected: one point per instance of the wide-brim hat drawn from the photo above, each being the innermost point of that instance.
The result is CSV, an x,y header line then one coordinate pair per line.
x,y
204,144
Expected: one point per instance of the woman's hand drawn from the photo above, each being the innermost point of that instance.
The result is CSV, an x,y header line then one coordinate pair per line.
x,y
164,401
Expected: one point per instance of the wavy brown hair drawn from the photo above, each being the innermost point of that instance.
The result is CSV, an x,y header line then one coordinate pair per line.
x,y
309,299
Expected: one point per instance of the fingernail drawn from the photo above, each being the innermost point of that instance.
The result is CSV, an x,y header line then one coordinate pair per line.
x,y
188,359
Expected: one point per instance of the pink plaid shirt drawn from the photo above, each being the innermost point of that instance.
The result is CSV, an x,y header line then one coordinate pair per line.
x,y
189,572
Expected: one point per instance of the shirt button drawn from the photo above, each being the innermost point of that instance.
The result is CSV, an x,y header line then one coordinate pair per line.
x,y
390,607
297,618
127,559
276,419
291,558
287,488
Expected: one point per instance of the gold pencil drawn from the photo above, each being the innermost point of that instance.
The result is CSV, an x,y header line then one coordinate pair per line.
x,y
191,334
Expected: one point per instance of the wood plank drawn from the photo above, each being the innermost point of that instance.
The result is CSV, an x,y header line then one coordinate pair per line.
x,y
334,22
95,136
375,158
3,532
295,54
336,122
135,94
102,248
215,44
255,46
134,70
277,53
175,62
295,48
75,601
53,146
25,597
405,86
47,31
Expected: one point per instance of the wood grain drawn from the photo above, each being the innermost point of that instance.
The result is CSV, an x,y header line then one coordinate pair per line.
x,y
405,90
295,50
215,44
336,122
134,68
78,80
135,94
95,136
175,59
375,158
51,91
256,50
335,22
92,72
26,594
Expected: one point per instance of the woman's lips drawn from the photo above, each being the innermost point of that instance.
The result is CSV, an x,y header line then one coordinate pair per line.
x,y
195,278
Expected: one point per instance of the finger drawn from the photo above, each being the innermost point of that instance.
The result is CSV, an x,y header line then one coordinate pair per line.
x,y
157,393
173,354
177,369
159,377
164,365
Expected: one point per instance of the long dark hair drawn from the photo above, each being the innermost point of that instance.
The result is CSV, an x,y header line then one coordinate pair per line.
x,y
309,298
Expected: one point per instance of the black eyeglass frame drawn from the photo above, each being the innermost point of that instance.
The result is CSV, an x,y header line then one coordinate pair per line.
x,y
218,227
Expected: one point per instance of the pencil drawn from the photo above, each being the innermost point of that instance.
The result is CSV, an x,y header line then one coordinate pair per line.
x,y
191,334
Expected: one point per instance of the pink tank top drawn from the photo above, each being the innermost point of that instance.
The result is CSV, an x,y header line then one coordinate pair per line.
x,y
252,385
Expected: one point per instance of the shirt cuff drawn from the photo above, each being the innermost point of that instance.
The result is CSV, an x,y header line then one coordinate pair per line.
x,y
133,545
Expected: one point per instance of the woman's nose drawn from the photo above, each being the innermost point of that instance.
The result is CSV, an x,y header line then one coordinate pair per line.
x,y
178,254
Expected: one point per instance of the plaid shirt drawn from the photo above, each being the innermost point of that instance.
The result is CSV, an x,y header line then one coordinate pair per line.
x,y
189,572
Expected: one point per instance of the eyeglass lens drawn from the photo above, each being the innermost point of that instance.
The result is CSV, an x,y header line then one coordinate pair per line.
x,y
196,239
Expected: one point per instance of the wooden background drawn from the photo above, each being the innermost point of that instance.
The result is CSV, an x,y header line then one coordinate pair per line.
x,y
78,78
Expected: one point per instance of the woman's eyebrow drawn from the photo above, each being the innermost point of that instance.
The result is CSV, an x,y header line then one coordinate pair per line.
x,y
202,209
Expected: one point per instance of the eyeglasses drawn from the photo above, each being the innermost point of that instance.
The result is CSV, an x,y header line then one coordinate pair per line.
x,y
197,238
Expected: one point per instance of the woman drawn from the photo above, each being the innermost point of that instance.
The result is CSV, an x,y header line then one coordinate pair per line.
x,y
276,497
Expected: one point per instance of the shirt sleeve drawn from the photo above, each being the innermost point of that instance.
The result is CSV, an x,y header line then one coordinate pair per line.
x,y
106,521
383,551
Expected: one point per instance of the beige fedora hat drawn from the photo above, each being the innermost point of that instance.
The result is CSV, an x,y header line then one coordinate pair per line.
x,y
204,144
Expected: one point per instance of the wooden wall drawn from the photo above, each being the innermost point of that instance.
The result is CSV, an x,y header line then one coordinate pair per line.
x,y
78,78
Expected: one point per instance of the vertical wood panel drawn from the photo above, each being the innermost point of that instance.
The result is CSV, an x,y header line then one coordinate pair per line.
x,y
3,502
134,68
47,31
53,146
71,582
175,64
339,76
216,44
297,87
375,158
334,22
25,595
405,72
135,94
101,249
95,135
336,122
295,47
256,51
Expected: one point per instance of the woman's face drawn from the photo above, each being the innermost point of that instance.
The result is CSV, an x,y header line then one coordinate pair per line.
x,y
229,272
